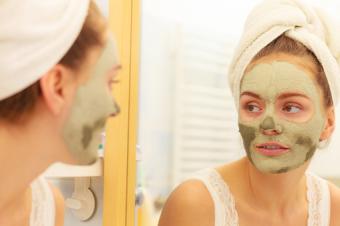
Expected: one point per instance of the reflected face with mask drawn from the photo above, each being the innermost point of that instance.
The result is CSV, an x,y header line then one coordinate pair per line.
x,y
93,104
281,114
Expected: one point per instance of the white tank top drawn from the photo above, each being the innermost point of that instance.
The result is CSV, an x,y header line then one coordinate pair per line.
x,y
43,204
318,197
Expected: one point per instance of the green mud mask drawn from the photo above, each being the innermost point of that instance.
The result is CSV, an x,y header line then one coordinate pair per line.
x,y
93,104
269,80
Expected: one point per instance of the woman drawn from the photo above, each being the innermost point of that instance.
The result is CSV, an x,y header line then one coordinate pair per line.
x,y
284,80
57,68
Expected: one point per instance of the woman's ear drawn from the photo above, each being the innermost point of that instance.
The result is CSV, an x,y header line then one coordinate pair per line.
x,y
329,124
58,87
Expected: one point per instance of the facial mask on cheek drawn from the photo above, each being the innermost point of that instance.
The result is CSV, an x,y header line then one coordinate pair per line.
x,y
269,81
92,106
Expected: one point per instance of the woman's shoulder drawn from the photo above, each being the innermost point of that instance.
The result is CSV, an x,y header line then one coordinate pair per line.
x,y
189,204
194,201
59,205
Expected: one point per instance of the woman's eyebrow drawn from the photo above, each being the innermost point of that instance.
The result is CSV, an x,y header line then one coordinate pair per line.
x,y
286,95
247,93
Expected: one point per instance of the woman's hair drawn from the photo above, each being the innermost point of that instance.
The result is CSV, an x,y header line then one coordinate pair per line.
x,y
284,44
91,35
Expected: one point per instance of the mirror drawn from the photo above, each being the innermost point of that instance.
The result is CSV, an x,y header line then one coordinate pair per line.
x,y
187,118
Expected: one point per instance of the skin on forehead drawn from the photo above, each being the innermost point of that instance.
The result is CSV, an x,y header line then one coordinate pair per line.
x,y
302,63
271,80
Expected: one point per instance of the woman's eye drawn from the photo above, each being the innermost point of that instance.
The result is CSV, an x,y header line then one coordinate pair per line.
x,y
291,109
253,108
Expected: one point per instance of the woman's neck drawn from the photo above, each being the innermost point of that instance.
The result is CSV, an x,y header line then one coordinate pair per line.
x,y
277,192
25,152
18,211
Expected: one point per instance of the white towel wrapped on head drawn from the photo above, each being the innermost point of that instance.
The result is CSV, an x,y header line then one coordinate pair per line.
x,y
297,20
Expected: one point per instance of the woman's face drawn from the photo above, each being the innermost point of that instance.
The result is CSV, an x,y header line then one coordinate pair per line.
x,y
92,105
281,113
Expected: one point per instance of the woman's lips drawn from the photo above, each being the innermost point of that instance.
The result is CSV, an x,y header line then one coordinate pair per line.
x,y
271,148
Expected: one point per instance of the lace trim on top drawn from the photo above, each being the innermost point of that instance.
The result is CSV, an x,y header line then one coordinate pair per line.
x,y
230,216
43,206
314,197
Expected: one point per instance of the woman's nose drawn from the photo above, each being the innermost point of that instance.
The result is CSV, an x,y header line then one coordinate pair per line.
x,y
269,127
117,109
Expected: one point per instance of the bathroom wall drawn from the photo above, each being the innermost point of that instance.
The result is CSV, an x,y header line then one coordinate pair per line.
x,y
66,186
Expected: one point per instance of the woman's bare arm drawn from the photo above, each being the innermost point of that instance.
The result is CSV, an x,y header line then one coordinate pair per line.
x,y
189,205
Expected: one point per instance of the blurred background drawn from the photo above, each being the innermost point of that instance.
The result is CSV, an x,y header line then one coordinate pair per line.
x,y
187,119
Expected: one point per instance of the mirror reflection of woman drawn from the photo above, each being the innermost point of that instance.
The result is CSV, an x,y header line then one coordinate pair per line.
x,y
284,80
57,66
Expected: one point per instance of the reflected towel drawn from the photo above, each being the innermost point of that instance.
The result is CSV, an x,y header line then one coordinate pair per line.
x,y
297,20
